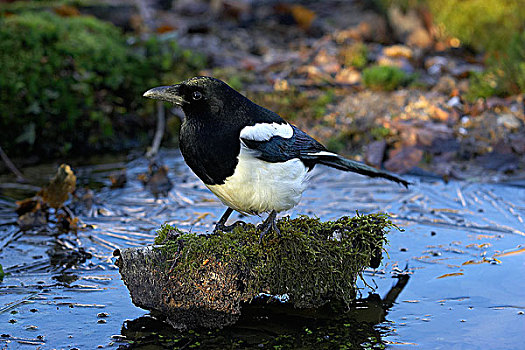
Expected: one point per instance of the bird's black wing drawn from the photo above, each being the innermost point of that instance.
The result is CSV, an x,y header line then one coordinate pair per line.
x,y
283,146
278,149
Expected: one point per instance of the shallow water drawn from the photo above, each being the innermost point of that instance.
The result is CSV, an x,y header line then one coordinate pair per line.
x,y
461,256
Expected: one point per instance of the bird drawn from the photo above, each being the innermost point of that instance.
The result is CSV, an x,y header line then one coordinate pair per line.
x,y
253,160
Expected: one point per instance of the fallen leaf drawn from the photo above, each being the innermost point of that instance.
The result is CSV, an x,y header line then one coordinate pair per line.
x,y
165,28
156,180
118,180
199,218
60,186
302,16
28,205
451,274
66,11
32,219
512,252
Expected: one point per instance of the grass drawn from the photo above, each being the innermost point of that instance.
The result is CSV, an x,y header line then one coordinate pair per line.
x,y
385,78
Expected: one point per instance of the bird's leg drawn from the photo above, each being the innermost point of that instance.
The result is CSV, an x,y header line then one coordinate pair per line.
x,y
269,224
221,224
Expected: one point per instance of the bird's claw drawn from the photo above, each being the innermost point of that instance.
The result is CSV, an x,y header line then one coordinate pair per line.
x,y
269,225
227,228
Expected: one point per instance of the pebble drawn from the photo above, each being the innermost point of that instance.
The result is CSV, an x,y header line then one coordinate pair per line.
x,y
509,121
398,51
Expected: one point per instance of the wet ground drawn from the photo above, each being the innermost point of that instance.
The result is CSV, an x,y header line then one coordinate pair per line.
x,y
451,279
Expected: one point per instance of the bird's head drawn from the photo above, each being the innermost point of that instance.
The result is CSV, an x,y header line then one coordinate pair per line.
x,y
199,97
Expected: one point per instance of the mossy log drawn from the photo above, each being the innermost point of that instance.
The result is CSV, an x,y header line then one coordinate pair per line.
x,y
203,280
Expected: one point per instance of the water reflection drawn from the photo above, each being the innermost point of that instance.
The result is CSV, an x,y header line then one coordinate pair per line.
x,y
271,324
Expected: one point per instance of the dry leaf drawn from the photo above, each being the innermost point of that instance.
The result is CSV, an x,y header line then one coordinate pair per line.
x,y
28,205
118,180
60,186
451,274
303,16
67,11
32,219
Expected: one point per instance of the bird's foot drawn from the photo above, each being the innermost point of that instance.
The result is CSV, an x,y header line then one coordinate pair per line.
x,y
270,224
227,228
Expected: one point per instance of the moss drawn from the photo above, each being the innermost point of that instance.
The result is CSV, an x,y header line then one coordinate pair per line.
x,y
380,132
312,261
339,142
496,21
505,74
386,78
355,55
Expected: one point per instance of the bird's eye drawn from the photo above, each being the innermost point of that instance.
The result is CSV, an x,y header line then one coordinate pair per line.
x,y
197,95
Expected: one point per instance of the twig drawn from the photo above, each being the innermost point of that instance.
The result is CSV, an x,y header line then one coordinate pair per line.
x,y
11,236
13,304
11,166
161,123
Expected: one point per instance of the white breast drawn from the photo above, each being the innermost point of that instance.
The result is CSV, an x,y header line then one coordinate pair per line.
x,y
257,186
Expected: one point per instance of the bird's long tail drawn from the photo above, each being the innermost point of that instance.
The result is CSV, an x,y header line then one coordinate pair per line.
x,y
336,161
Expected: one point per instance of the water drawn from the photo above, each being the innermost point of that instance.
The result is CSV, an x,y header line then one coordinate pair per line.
x,y
461,259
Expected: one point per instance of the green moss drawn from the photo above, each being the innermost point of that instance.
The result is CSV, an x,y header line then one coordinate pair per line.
x,y
505,75
75,84
386,78
497,21
312,261
355,55
338,143
380,132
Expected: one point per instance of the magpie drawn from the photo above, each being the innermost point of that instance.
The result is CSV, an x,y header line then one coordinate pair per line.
x,y
247,155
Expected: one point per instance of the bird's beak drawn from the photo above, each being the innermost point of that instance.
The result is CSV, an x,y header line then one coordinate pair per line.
x,y
166,93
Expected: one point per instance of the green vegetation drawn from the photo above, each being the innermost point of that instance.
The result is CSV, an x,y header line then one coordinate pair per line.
x,y
355,55
340,142
75,84
380,132
499,31
386,78
506,72
484,25
312,261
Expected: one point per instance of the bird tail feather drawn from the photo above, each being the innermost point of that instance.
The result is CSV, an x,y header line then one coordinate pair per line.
x,y
336,161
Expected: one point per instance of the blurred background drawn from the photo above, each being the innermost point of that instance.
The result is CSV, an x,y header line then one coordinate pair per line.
x,y
411,85
433,90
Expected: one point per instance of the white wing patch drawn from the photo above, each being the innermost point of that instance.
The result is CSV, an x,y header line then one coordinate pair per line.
x,y
265,131
323,153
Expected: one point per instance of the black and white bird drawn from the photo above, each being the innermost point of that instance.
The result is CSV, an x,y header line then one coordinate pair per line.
x,y
247,155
